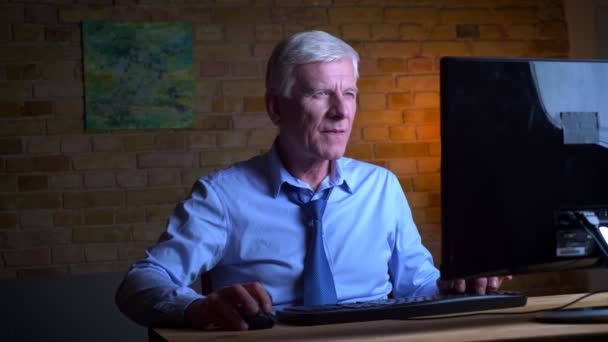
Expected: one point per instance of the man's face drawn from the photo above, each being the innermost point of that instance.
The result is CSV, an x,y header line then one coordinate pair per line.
x,y
316,121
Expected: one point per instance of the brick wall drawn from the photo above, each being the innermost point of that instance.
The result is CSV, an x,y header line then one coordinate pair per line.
x,y
78,202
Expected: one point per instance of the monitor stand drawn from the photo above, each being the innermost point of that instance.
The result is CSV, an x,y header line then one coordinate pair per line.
x,y
591,314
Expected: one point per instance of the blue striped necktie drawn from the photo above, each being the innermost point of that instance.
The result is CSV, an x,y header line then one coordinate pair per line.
x,y
318,281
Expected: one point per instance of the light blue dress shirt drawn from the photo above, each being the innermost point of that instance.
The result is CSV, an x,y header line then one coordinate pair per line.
x,y
239,225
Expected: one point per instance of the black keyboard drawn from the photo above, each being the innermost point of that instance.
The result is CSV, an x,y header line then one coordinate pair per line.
x,y
398,308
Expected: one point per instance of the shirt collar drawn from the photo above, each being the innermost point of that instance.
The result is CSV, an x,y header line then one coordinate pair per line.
x,y
279,175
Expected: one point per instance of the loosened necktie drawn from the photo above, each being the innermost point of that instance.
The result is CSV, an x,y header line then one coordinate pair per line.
x,y
318,281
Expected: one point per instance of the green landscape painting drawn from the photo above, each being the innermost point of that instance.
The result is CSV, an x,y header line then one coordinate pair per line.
x,y
137,75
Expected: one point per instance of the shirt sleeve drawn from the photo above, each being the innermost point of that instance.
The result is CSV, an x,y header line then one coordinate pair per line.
x,y
411,265
155,290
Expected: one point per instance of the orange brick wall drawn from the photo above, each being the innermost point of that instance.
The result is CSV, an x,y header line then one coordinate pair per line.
x,y
78,202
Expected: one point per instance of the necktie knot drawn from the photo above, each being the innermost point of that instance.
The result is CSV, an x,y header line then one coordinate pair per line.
x,y
314,209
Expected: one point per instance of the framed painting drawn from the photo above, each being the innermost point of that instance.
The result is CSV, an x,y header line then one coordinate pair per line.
x,y
137,75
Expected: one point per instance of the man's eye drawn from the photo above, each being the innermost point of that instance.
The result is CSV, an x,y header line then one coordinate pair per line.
x,y
319,93
351,94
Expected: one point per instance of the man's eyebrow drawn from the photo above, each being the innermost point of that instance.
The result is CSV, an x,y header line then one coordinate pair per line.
x,y
310,89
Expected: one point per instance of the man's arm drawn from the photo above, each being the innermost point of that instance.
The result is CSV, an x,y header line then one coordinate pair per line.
x,y
149,297
411,265
155,290
412,268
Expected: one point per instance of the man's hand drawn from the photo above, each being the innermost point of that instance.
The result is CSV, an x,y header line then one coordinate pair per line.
x,y
477,285
219,308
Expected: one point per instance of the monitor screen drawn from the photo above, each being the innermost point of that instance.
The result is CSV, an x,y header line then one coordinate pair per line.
x,y
524,155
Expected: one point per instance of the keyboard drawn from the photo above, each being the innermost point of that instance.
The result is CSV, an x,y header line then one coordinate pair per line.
x,y
398,308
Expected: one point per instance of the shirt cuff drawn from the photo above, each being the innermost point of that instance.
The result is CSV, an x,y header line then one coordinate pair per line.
x,y
175,308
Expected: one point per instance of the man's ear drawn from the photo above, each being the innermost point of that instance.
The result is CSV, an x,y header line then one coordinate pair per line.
x,y
272,107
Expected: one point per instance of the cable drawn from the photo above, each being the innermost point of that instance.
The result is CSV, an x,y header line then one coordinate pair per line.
x,y
561,307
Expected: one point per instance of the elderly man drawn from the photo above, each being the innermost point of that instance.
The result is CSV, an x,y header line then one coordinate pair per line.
x,y
251,226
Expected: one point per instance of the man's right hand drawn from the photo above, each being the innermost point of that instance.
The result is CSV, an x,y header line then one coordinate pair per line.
x,y
480,286
219,308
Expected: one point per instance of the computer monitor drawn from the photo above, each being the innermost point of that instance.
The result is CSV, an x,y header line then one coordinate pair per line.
x,y
524,172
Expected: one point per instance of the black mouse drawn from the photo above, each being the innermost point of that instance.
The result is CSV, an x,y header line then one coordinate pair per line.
x,y
260,320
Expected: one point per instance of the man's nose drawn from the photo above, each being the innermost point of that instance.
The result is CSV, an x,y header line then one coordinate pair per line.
x,y
339,106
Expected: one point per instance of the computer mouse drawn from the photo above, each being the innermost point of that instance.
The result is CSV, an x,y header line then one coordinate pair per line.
x,y
260,320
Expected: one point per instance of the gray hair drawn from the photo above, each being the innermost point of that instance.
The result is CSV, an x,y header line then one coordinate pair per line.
x,y
304,48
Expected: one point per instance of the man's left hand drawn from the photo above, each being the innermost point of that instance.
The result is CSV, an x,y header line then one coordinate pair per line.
x,y
480,286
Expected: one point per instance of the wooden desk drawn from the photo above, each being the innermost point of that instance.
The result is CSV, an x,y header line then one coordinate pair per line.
x,y
477,328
